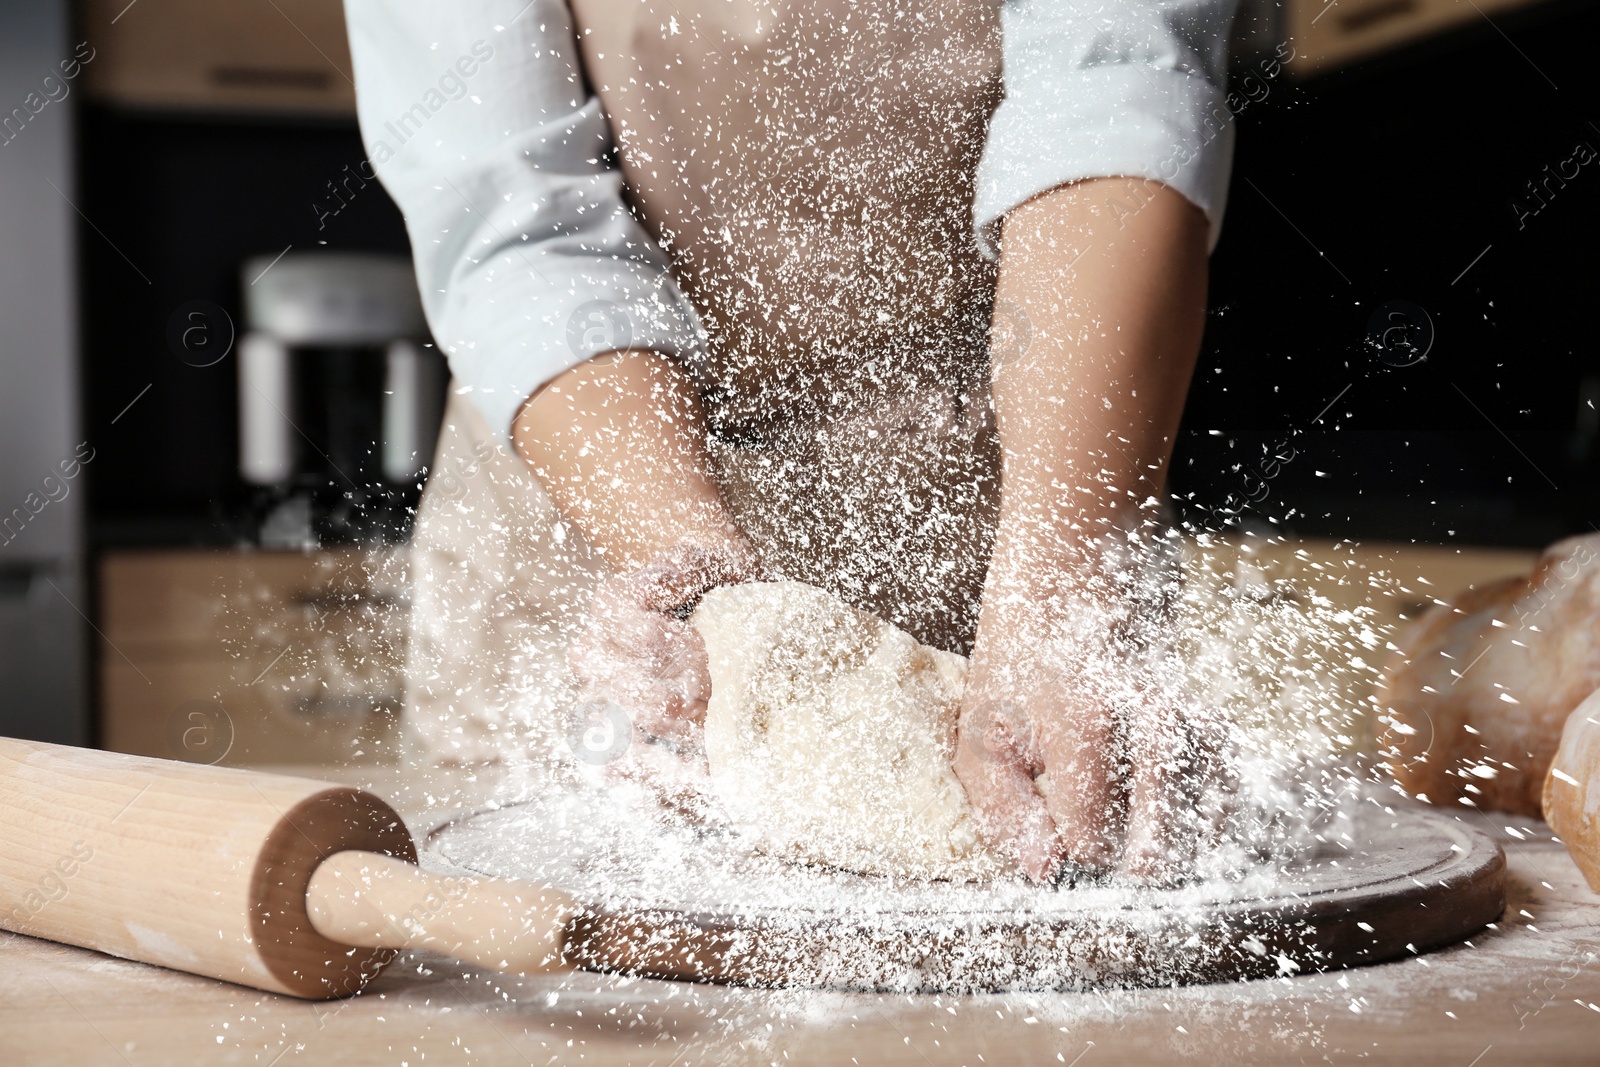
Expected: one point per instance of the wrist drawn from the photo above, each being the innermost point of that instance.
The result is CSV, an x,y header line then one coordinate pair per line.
x,y
1046,551
1111,563
678,575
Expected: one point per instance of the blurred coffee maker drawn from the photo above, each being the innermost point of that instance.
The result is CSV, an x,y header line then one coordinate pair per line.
x,y
340,397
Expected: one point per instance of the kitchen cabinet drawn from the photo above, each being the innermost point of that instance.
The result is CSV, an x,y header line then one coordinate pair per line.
x,y
287,56
246,657
251,657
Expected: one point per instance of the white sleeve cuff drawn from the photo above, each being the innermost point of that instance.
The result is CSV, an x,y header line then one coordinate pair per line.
x,y
478,121
1118,120
525,314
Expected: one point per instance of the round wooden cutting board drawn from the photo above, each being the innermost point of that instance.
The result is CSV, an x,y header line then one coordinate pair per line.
x,y
667,900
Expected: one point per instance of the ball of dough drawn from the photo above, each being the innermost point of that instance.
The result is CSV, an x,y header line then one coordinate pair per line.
x,y
830,735
1478,690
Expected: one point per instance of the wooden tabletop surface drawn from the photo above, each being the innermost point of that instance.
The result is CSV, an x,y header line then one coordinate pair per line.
x,y
1525,993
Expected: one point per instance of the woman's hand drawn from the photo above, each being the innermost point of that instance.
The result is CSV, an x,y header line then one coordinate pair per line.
x,y
1071,679
1077,741
619,444
638,651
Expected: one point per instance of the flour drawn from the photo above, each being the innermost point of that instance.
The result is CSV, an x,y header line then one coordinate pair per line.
x,y
670,897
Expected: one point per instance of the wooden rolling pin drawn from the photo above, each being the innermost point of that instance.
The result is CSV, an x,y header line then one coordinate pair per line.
x,y
285,884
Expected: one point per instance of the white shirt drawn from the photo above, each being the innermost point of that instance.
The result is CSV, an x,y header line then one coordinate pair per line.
x,y
477,117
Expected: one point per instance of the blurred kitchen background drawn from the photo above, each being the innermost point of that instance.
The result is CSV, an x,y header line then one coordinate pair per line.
x,y
1400,345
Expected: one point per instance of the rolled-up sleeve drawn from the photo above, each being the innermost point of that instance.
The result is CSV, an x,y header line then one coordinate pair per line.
x,y
1103,88
477,119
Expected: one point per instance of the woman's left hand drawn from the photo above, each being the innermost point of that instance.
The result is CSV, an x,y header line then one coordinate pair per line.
x,y
1078,693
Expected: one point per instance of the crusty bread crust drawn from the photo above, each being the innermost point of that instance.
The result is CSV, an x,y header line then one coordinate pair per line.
x,y
1476,694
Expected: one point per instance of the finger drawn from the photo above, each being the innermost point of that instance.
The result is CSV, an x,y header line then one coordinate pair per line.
x,y
659,681
656,707
1010,814
587,659
640,709
669,697
605,649
650,705
663,590
665,711
635,635
653,644
682,574
1160,841
1087,800
686,666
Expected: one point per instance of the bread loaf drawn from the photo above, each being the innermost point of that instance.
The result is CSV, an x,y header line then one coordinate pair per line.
x,y
1475,696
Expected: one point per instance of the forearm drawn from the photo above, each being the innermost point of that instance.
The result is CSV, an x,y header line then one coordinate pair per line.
x,y
619,444
1087,415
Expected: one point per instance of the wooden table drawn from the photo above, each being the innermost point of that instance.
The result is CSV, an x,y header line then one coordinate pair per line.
x,y
1526,993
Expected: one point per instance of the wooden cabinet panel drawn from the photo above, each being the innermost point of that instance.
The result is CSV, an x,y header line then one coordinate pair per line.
x,y
1331,34
220,55
252,657
163,599
264,657
195,710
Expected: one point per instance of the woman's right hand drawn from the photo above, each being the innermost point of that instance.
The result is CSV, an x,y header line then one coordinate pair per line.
x,y
638,651
618,442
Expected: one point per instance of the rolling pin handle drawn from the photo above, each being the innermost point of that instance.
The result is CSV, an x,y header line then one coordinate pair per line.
x,y
377,901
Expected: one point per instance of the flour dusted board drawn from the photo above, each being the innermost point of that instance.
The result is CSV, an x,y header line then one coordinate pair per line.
x,y
667,900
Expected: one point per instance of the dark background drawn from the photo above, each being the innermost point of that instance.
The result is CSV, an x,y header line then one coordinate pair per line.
x,y
190,199
1399,172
